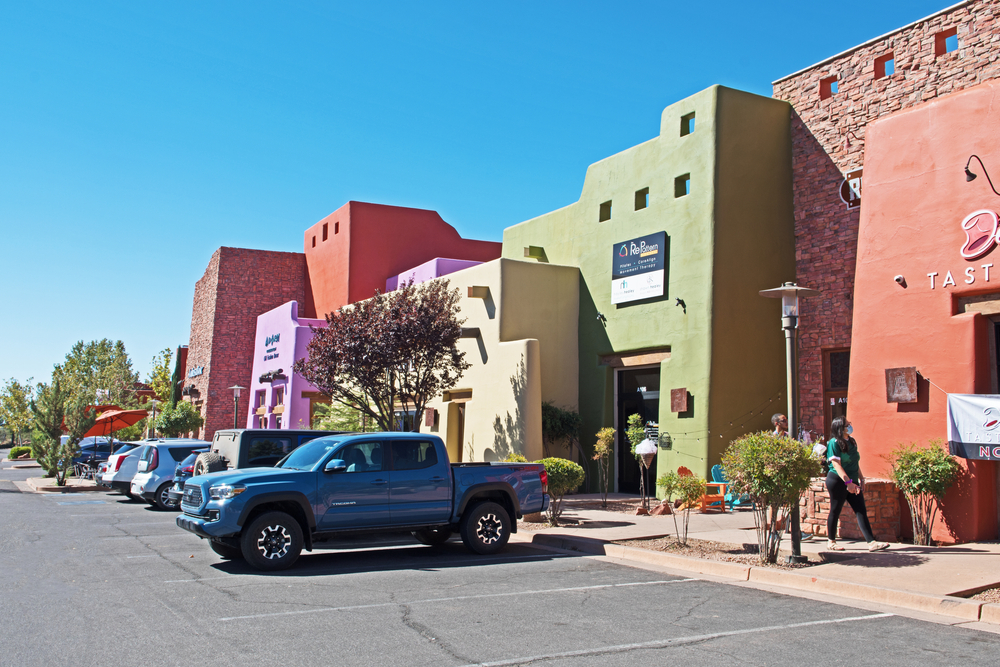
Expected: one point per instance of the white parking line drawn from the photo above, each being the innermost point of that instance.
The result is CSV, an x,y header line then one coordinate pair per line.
x,y
149,556
573,589
664,643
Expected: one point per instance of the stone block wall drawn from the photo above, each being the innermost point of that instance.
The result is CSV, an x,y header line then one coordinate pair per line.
x,y
828,139
238,285
881,499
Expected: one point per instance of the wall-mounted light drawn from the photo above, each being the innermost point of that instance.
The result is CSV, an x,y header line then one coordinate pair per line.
x,y
602,318
970,176
847,142
680,302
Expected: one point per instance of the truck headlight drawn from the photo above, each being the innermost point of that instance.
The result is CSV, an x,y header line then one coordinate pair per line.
x,y
225,491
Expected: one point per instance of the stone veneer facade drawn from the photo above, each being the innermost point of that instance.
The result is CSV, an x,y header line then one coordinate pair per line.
x,y
826,231
238,285
881,499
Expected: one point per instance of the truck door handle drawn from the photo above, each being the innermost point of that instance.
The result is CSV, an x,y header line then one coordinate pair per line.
x,y
380,482
436,479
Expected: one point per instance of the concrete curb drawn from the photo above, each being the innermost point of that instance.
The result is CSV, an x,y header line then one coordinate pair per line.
x,y
47,485
967,610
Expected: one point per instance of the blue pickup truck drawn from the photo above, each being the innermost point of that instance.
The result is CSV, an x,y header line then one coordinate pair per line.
x,y
343,485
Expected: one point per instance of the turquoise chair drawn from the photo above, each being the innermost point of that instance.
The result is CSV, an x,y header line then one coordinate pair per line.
x,y
731,498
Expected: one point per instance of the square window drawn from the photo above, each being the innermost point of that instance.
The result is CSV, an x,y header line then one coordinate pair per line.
x,y
324,231
946,41
828,87
682,185
605,214
641,199
687,124
885,66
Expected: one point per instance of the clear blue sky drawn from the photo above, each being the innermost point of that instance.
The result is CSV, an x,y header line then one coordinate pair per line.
x,y
138,137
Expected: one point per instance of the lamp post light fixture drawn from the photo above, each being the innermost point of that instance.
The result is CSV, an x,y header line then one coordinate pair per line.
x,y
790,293
971,176
151,431
236,389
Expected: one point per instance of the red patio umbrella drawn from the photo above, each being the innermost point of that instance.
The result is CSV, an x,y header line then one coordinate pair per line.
x,y
113,420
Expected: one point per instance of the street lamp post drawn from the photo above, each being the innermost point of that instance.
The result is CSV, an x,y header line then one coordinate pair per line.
x,y
790,293
151,431
236,389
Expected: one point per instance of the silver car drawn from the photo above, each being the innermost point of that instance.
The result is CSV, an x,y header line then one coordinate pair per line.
x,y
155,472
120,470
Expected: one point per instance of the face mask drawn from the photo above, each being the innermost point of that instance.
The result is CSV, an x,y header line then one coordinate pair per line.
x,y
850,429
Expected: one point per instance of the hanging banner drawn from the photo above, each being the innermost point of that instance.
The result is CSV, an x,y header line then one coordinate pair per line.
x,y
637,268
974,426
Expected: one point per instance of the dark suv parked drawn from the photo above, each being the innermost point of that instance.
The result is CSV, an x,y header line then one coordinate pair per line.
x,y
252,448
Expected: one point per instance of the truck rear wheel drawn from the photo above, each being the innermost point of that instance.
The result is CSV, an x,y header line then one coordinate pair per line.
x,y
432,536
272,541
208,462
485,528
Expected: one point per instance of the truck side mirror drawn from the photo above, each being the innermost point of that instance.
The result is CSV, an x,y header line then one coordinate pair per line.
x,y
335,465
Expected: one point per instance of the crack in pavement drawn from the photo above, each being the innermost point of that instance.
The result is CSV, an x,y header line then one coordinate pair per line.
x,y
428,634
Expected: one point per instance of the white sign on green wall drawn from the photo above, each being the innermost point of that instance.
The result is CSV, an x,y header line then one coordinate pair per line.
x,y
638,268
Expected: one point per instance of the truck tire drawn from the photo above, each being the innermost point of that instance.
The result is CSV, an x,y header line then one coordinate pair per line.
x,y
226,551
208,462
272,541
432,536
485,528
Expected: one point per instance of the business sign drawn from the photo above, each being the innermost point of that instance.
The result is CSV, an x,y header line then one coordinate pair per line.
x,y
974,426
196,371
638,268
850,189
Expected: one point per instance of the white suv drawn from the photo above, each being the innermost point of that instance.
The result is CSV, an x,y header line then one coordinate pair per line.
x,y
155,473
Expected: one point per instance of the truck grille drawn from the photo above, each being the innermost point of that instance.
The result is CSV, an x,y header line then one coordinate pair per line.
x,y
192,496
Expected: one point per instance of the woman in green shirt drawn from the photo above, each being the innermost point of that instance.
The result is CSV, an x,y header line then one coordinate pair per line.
x,y
846,483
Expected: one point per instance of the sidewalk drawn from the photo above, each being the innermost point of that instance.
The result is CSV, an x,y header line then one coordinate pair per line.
x,y
927,579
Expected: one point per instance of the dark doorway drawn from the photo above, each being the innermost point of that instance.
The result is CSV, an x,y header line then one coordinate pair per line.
x,y
638,392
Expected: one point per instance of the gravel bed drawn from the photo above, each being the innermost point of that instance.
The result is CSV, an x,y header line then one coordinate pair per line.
x,y
989,595
744,554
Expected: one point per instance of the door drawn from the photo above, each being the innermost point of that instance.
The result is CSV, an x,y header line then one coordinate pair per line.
x,y
638,393
359,496
420,489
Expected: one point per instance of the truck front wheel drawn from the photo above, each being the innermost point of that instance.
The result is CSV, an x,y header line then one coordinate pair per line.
x,y
272,541
485,528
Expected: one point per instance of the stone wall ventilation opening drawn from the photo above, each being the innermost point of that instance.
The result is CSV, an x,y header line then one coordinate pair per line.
x,y
325,233
828,87
945,41
885,66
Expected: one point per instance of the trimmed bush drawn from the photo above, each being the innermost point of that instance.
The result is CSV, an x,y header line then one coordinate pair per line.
x,y
924,475
20,450
773,471
564,476
514,457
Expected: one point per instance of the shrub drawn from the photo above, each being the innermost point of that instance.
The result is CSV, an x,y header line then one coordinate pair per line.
x,y
924,476
689,490
773,471
514,457
604,449
18,451
182,418
564,476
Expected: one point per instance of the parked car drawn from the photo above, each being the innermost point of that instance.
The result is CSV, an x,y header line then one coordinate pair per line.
x,y
360,483
121,468
94,450
155,473
182,473
239,448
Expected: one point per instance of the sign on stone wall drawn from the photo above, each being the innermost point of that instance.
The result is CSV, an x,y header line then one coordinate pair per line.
x,y
637,270
901,385
850,189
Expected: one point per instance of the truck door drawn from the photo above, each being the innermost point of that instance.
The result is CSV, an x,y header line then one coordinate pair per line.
x,y
420,489
359,497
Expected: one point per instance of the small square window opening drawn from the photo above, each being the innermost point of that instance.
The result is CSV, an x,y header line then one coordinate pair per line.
x,y
605,214
687,124
828,87
682,185
314,242
324,231
336,228
641,199
946,41
885,66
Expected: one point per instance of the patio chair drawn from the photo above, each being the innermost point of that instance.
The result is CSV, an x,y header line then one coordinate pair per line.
x,y
715,492
719,476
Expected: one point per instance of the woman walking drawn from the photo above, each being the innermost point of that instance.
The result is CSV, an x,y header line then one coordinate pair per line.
x,y
846,483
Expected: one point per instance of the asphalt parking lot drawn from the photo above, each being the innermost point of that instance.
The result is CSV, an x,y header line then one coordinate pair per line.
x,y
95,579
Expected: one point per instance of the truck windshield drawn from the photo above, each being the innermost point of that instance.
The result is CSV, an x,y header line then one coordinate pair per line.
x,y
308,455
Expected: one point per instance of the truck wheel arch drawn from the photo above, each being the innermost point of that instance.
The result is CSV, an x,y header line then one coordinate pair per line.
x,y
294,504
498,492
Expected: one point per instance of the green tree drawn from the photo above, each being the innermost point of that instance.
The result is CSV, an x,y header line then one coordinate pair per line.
x,y
686,488
180,419
604,450
398,348
99,372
562,428
924,475
160,377
773,471
564,476
339,417
54,408
15,408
